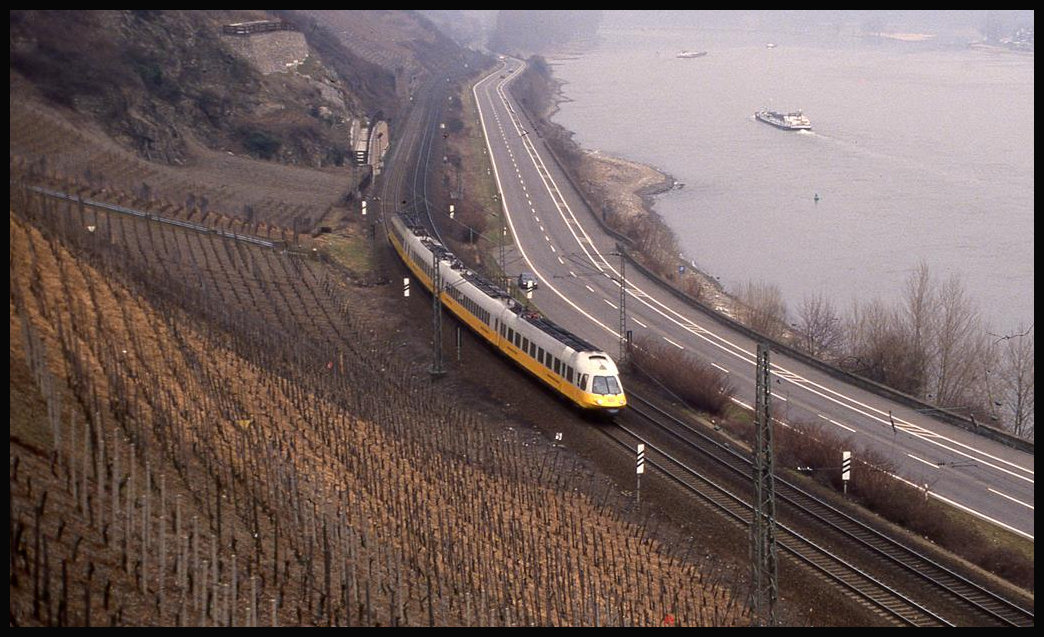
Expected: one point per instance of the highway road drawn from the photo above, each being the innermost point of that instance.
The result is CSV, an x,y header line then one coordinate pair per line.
x,y
560,241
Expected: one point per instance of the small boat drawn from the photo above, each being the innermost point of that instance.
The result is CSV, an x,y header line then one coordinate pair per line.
x,y
692,54
770,45
786,121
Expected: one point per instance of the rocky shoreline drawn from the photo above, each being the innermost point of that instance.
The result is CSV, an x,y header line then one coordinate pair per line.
x,y
633,188
634,185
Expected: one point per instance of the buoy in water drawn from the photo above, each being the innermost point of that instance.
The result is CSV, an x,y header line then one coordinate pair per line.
x,y
816,198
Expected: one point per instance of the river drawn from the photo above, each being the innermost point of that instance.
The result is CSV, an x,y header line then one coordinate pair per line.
x,y
919,153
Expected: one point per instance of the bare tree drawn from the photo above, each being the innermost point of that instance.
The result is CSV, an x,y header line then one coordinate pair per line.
x,y
919,311
879,347
658,244
819,325
960,344
1015,382
936,347
764,309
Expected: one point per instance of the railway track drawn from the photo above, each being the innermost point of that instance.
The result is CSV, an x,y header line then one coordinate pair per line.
x,y
900,581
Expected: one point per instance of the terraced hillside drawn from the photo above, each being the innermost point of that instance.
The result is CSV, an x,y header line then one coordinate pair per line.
x,y
209,433
214,188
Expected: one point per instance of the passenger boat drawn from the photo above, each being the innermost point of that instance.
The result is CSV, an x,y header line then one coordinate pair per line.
x,y
692,54
786,121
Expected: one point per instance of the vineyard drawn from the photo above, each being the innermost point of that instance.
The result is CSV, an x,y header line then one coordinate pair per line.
x,y
206,432
219,189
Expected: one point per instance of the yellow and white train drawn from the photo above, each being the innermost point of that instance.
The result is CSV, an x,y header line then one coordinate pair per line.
x,y
570,366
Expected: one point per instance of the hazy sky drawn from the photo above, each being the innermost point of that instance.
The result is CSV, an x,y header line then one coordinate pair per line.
x,y
893,19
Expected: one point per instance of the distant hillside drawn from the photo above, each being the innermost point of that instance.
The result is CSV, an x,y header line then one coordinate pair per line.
x,y
525,32
469,27
403,43
154,79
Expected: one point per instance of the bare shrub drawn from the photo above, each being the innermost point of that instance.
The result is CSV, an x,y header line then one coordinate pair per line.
x,y
810,448
696,383
879,348
1006,563
692,287
817,452
818,326
764,310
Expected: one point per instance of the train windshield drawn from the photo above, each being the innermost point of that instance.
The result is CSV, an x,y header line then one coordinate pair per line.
x,y
605,385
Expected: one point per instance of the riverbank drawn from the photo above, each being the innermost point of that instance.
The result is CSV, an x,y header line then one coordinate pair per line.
x,y
628,190
632,187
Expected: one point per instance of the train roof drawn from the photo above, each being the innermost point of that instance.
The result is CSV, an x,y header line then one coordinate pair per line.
x,y
558,332
494,291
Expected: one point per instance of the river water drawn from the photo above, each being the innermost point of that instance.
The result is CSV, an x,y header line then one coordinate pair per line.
x,y
919,153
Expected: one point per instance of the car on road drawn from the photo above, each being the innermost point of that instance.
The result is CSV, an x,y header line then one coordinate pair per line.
x,y
527,282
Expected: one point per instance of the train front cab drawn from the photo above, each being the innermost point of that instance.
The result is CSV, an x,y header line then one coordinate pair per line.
x,y
600,384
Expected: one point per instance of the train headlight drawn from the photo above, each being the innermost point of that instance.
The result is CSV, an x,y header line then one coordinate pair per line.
x,y
599,401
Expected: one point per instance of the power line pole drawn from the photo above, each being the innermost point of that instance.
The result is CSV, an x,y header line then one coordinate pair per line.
x,y
764,585
503,240
436,310
623,308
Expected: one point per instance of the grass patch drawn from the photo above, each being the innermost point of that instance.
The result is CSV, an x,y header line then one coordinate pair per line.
x,y
353,251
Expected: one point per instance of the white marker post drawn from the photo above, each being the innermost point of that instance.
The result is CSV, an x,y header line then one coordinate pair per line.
x,y
406,286
639,470
846,468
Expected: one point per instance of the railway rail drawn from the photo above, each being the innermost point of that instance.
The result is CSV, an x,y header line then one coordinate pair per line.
x,y
904,584
962,602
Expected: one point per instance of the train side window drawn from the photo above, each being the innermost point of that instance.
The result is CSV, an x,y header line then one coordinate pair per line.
x,y
532,349
557,365
540,355
569,373
525,344
583,381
